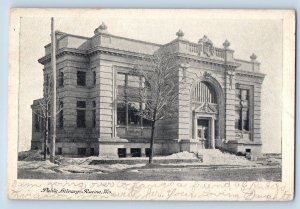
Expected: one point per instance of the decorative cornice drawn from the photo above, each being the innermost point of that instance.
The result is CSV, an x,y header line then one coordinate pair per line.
x,y
250,74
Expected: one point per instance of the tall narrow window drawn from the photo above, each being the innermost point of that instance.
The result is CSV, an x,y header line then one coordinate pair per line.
x,y
128,109
121,113
133,113
145,122
94,78
61,79
133,81
94,114
121,79
61,114
37,122
81,114
242,110
81,78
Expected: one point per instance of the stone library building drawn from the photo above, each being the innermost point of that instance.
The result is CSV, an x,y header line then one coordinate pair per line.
x,y
222,111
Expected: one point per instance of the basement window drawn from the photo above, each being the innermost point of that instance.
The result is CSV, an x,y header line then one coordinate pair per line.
x,y
122,152
59,151
135,152
81,151
147,152
92,151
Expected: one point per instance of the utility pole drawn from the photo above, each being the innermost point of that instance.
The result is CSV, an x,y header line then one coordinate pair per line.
x,y
53,64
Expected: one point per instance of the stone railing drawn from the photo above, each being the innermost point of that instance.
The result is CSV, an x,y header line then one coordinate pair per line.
x,y
195,49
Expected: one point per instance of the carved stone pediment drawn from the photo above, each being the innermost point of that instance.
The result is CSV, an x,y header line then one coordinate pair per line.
x,y
207,108
208,47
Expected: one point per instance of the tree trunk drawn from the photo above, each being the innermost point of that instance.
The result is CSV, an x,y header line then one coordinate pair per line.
x,y
151,142
46,137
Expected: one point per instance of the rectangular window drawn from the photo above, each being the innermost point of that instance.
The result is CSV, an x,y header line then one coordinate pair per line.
x,y
121,79
94,114
244,95
133,81
94,78
242,112
145,121
59,151
81,78
37,123
121,114
81,151
147,152
81,118
81,114
133,113
245,119
135,152
81,104
61,115
122,152
238,122
92,151
61,79
49,124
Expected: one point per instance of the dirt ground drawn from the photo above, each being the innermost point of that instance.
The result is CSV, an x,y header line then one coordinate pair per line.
x,y
31,166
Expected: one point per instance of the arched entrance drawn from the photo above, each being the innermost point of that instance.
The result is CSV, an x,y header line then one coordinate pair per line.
x,y
207,102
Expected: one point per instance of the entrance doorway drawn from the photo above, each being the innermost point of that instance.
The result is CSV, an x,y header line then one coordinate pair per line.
x,y
203,132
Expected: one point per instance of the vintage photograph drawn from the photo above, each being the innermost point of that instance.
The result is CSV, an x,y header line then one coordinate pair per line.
x,y
151,95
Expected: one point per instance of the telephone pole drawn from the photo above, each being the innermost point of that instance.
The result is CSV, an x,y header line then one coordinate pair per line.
x,y
53,64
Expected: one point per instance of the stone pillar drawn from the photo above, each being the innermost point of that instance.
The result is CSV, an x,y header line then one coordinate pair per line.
x,y
212,133
106,100
229,105
128,153
195,128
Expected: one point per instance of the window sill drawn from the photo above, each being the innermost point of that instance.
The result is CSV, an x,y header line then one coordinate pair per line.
x,y
131,126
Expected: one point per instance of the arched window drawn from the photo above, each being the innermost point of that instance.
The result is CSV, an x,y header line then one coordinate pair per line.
x,y
203,92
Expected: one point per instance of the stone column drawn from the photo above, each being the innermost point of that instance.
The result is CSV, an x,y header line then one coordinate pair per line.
x,y
212,131
195,127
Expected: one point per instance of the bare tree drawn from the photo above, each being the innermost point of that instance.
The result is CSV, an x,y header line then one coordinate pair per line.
x,y
44,110
161,87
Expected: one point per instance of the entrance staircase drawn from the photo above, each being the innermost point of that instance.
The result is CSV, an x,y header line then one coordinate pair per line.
x,y
217,157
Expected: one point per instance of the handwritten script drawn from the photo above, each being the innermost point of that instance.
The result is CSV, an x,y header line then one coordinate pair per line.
x,y
145,190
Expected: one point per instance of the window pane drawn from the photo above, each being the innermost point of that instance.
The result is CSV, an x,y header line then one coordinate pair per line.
x,y
120,79
80,118
244,94
246,120
61,79
94,118
238,94
133,81
146,122
238,122
133,110
37,125
81,78
81,104
94,77
121,114
61,114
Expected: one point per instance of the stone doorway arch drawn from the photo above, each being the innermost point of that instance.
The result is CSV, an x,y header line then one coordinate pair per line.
x,y
208,112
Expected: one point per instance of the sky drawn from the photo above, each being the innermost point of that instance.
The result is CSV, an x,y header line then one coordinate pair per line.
x,y
247,35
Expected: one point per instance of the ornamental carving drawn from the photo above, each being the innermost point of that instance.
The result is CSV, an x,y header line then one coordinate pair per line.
x,y
207,108
208,48
207,75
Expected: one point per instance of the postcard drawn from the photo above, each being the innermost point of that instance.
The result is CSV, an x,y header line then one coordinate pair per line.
x,y
151,104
